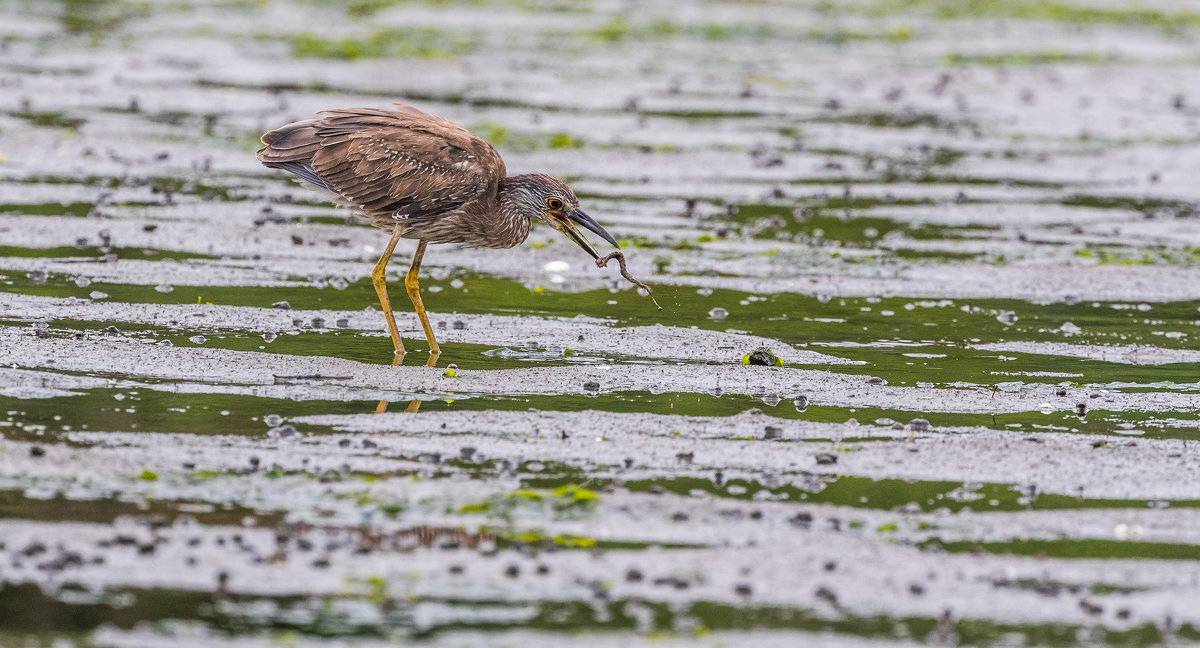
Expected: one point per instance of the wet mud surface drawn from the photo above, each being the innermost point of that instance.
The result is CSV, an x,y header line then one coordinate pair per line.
x,y
969,231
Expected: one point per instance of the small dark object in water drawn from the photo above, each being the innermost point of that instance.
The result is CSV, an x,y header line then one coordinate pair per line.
x,y
802,520
828,595
826,458
591,386
282,432
763,357
772,432
37,451
620,257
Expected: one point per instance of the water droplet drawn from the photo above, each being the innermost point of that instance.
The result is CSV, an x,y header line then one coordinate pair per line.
x,y
704,292
338,283
1008,318
269,336
272,420
770,399
83,282
456,283
718,313
96,294
824,298
716,391
919,425
197,339
1070,329
801,403
1046,408
164,288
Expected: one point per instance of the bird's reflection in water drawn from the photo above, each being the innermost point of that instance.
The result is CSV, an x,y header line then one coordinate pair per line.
x,y
414,404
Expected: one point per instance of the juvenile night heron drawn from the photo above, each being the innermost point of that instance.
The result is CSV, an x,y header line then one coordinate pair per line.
x,y
419,176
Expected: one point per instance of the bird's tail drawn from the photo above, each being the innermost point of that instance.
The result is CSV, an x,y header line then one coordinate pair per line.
x,y
291,148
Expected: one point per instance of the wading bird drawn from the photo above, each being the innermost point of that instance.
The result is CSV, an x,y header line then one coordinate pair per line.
x,y
419,176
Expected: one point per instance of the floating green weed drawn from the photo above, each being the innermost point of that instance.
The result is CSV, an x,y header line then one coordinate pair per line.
x,y
50,119
620,29
1116,15
99,17
413,42
568,498
503,137
1020,59
1076,548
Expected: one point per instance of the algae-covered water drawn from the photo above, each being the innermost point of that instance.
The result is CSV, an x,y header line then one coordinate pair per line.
x,y
968,230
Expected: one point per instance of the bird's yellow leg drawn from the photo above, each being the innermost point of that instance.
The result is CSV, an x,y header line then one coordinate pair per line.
x,y
414,293
379,278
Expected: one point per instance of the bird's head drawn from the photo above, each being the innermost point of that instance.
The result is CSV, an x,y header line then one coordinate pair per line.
x,y
542,198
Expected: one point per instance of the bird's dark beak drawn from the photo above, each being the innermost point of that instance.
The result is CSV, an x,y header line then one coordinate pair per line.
x,y
580,217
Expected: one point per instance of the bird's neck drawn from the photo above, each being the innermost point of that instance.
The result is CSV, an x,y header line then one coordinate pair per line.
x,y
510,223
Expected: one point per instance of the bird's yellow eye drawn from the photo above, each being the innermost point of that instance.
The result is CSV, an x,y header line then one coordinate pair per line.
x,y
554,203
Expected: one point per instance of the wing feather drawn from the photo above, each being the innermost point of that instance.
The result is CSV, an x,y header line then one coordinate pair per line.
x,y
404,162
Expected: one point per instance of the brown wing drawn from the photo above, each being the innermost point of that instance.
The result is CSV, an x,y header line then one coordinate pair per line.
x,y
405,163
